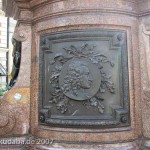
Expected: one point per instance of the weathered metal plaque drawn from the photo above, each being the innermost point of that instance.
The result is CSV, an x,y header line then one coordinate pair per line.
x,y
84,79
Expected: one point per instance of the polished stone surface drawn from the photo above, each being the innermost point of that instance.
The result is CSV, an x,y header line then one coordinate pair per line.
x,y
39,17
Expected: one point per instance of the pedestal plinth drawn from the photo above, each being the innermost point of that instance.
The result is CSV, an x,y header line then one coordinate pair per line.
x,y
89,80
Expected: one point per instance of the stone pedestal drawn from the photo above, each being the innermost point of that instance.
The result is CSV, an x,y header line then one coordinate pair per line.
x,y
20,118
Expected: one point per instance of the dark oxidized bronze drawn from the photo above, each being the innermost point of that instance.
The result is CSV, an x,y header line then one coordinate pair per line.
x,y
84,79
16,62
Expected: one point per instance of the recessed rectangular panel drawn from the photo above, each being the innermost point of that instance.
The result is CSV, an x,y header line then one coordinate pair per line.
x,y
84,79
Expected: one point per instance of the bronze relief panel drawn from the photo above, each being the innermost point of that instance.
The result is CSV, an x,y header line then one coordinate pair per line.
x,y
84,79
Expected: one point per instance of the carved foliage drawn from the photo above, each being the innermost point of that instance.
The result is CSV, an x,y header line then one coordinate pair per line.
x,y
84,74
78,78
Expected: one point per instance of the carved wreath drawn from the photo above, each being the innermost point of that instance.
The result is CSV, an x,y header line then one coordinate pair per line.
x,y
86,51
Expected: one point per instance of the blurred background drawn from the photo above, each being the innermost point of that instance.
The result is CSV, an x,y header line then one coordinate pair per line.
x,y
7,26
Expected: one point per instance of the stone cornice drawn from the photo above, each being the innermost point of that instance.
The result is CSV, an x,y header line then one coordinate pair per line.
x,y
27,10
